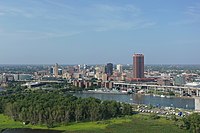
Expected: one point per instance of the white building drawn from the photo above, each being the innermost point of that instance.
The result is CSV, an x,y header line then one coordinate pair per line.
x,y
119,68
193,84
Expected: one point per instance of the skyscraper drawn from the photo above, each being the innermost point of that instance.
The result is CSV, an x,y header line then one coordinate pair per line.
x,y
119,68
51,70
56,70
138,66
60,71
109,69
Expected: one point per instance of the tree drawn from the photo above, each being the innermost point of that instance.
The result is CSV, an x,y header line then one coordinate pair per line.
x,y
126,109
154,116
194,120
171,93
52,107
1,107
78,112
94,111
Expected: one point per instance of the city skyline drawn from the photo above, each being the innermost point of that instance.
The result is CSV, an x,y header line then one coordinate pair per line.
x,y
97,32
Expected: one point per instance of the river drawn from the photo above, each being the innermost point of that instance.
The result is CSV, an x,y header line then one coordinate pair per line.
x,y
1,89
186,103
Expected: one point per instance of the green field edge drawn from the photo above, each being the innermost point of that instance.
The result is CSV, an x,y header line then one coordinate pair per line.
x,y
8,123
136,123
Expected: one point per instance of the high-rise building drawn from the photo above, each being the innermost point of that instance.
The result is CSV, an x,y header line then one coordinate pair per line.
x,y
138,66
51,71
109,69
119,68
56,70
104,77
60,71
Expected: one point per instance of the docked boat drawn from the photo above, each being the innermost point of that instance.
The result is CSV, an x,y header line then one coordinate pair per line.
x,y
162,95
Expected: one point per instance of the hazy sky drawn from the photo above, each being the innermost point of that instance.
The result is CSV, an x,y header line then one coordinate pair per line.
x,y
99,31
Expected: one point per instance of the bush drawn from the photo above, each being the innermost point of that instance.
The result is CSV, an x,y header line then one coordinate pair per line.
x,y
171,93
173,117
154,116
181,124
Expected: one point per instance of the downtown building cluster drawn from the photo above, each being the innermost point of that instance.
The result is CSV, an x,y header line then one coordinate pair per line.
x,y
103,76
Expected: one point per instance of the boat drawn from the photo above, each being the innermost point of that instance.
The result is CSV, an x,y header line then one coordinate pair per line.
x,y
141,92
155,95
107,91
168,96
162,96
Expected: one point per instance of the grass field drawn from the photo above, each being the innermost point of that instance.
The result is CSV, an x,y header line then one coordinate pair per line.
x,y
133,124
6,122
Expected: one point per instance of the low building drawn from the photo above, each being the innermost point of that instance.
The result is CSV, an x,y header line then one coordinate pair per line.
x,y
193,85
165,82
179,81
33,84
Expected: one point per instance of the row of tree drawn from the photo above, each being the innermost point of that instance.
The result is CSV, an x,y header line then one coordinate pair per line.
x,y
191,122
55,107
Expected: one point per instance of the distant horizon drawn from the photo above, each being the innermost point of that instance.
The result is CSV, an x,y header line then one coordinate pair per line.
x,y
97,64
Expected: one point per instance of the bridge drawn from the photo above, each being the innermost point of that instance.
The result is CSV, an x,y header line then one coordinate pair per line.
x,y
43,81
177,89
49,81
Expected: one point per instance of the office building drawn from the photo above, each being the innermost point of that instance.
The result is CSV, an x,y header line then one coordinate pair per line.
x,y
51,71
60,71
109,69
56,70
138,66
21,77
119,68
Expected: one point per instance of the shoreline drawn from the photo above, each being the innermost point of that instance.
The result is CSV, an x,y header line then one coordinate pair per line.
x,y
145,94
101,92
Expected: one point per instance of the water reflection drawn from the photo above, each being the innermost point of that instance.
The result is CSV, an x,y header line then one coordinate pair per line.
x,y
186,103
1,89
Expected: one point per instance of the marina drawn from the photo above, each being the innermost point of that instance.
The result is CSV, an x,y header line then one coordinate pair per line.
x,y
176,102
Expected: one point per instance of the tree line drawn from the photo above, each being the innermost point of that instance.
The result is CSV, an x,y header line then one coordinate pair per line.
x,y
55,107
190,122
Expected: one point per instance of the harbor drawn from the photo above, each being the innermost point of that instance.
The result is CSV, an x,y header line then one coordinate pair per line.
x,y
154,100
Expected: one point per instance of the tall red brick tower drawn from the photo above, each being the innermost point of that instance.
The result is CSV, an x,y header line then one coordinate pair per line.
x,y
138,66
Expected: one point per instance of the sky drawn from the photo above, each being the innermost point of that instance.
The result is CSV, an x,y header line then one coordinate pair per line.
x,y
99,31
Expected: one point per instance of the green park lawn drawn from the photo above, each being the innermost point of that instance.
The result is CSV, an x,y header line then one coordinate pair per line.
x,y
6,122
132,124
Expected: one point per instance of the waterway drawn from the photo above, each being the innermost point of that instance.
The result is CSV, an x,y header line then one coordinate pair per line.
x,y
1,89
185,103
